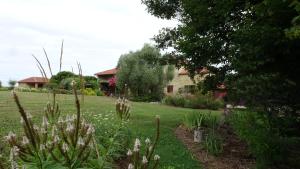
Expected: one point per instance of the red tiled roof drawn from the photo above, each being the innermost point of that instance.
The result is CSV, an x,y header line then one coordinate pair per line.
x,y
34,80
183,71
107,72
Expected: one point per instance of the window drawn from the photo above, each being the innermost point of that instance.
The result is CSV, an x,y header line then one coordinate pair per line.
x,y
190,89
170,89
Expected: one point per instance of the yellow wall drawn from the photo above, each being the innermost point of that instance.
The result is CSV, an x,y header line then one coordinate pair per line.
x,y
179,81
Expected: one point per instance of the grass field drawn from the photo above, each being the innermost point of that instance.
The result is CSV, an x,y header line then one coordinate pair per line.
x,y
172,152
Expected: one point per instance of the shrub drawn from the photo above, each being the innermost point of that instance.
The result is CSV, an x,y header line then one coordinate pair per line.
x,y
99,93
4,89
265,142
197,101
89,92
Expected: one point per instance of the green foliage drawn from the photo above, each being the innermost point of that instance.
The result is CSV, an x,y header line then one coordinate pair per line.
x,y
200,120
147,159
4,89
268,146
89,92
213,143
140,124
91,82
12,83
208,123
176,100
26,89
99,93
0,84
113,134
142,74
59,77
199,101
251,46
194,120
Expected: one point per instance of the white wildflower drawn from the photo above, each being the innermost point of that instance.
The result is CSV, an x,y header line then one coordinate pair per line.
x,y
130,166
150,148
156,157
54,130
10,137
49,144
43,130
14,152
68,118
42,147
25,141
65,147
56,139
91,129
35,127
60,120
45,122
129,153
147,141
74,117
157,116
70,128
80,142
144,161
28,115
137,145
22,121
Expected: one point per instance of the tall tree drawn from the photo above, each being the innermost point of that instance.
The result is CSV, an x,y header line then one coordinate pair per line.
x,y
142,73
252,46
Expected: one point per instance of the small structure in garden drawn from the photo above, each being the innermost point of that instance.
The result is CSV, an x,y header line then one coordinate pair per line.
x,y
107,80
33,82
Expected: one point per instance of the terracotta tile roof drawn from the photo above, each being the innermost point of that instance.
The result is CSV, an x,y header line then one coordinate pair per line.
x,y
183,71
107,72
34,80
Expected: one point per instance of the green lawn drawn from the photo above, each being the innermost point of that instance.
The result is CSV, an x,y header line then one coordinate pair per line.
x,y
172,152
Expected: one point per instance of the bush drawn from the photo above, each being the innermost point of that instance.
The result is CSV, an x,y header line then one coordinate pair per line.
x,y
89,92
99,93
268,146
4,89
197,101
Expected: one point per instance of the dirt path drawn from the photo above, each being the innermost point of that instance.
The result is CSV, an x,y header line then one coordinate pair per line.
x,y
234,156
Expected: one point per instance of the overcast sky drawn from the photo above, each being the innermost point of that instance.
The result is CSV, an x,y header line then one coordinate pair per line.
x,y
95,32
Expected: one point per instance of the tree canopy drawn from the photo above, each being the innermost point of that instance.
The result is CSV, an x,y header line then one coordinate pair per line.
x,y
252,46
142,73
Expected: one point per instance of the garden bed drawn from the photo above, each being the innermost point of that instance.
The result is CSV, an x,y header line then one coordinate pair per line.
x,y
234,155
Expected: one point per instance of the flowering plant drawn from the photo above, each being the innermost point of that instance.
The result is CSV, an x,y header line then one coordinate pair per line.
x,y
138,160
64,141
123,109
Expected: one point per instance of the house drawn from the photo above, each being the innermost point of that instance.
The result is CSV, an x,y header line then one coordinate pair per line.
x,y
182,83
105,79
33,82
